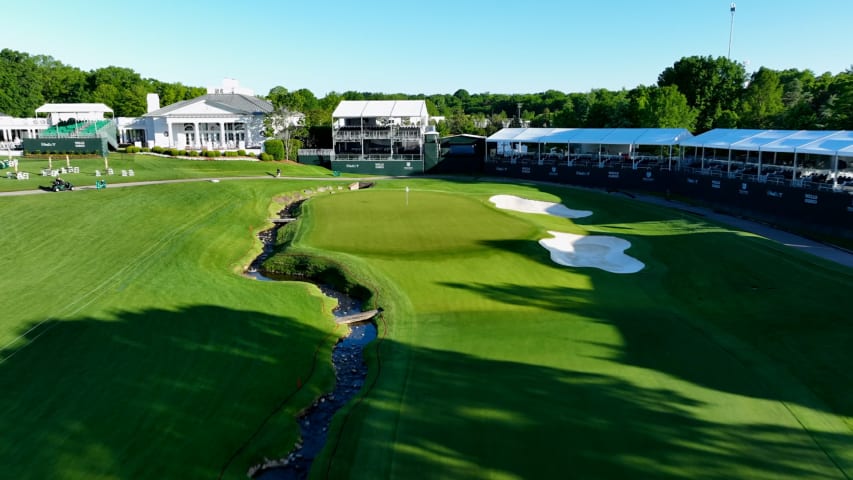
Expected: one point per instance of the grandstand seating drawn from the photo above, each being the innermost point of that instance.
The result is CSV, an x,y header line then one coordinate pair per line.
x,y
81,129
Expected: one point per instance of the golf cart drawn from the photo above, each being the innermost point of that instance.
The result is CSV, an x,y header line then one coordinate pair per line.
x,y
60,185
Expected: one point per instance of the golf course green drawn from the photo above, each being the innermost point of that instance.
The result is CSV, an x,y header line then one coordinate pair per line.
x,y
132,347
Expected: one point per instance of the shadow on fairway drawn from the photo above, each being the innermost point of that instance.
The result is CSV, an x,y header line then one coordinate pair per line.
x,y
743,360
466,417
702,327
150,394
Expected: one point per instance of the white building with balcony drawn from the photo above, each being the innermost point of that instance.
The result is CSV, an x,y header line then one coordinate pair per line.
x,y
229,118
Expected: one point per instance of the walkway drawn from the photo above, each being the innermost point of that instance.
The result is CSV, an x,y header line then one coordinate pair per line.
x,y
827,252
822,250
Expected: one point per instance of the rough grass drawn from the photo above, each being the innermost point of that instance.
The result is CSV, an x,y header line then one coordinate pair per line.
x,y
727,357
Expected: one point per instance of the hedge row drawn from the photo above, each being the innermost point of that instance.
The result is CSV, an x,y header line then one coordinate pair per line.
x,y
189,153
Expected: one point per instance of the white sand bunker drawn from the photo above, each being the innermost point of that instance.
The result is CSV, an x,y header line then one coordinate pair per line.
x,y
518,204
598,251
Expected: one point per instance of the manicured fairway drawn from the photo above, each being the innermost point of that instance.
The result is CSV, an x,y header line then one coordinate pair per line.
x,y
131,348
727,357
129,345
149,167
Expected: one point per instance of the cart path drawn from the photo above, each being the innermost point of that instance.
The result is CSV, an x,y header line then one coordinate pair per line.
x,y
821,250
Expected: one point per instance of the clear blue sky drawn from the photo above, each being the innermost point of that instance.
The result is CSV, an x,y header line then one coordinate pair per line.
x,y
435,46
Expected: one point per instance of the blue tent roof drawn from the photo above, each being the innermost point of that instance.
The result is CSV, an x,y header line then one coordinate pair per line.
x,y
603,136
819,142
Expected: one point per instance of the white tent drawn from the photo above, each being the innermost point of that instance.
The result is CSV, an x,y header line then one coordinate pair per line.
x,y
627,140
829,143
78,111
381,108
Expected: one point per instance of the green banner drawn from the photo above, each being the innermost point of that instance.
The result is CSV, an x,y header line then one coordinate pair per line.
x,y
394,168
57,146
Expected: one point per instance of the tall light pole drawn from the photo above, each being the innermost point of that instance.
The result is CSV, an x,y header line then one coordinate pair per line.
x,y
519,113
731,30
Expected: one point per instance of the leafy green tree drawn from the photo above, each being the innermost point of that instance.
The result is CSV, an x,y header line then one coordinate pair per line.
x,y
711,86
170,93
660,107
289,126
842,101
61,83
121,89
762,101
608,109
20,84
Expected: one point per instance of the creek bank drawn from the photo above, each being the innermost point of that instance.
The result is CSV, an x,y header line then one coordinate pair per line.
x,y
347,355
314,421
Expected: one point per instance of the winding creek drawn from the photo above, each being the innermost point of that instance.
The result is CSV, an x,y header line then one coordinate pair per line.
x,y
350,374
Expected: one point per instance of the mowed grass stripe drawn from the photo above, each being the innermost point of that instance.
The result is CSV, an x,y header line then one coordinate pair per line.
x,y
172,360
152,167
581,372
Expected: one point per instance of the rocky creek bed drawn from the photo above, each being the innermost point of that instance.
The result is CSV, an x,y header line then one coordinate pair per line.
x,y
350,374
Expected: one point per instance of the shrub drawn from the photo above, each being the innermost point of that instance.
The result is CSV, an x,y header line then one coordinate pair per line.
x,y
266,157
211,153
320,270
230,154
274,147
144,149
157,149
193,153
241,153
131,149
174,152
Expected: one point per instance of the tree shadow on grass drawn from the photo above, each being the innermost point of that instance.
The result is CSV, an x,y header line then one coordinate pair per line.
x,y
660,337
466,417
149,394
698,350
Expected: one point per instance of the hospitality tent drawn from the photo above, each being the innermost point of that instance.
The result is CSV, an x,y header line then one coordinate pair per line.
x,y
414,110
830,144
599,142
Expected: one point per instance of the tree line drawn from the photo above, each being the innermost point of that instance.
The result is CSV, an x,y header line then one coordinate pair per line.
x,y
29,81
697,93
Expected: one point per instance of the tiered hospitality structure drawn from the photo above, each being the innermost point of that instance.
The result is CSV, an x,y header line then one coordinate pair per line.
x,y
382,136
74,128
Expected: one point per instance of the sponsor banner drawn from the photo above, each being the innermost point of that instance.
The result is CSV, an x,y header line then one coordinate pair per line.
x,y
780,203
59,146
379,168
